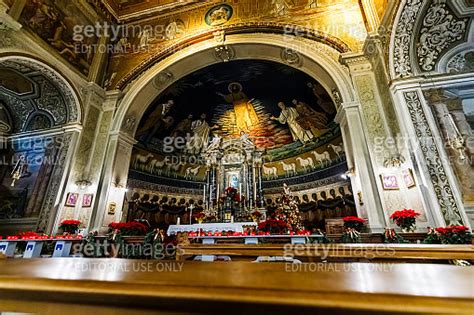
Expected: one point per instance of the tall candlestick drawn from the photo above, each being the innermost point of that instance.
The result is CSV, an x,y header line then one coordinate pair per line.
x,y
204,197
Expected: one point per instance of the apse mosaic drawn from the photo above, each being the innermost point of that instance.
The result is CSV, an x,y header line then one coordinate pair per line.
x,y
280,110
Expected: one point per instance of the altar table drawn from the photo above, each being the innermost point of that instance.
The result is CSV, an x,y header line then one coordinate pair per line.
x,y
210,227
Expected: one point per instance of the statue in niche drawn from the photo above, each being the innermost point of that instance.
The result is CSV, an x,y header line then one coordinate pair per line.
x,y
155,121
289,115
309,119
5,125
245,115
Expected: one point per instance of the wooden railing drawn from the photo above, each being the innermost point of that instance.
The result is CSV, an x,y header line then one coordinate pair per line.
x,y
117,286
335,252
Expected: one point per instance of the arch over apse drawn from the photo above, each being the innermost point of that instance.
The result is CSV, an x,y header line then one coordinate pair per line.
x,y
318,60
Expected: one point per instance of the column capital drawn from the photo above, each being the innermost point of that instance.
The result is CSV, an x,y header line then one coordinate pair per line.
x,y
343,109
357,62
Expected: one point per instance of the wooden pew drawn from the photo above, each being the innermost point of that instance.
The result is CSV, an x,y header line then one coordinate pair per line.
x,y
335,252
119,286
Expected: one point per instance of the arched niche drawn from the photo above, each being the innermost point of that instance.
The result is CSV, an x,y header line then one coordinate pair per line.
x,y
44,117
319,61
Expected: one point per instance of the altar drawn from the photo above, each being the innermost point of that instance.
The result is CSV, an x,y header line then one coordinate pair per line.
x,y
233,186
238,227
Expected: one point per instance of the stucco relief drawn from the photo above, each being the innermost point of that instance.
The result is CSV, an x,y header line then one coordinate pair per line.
x,y
439,31
373,118
403,36
101,143
87,140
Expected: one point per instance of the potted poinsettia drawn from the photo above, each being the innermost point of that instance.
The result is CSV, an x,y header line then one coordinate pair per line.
x,y
355,223
128,228
70,226
454,234
273,226
406,219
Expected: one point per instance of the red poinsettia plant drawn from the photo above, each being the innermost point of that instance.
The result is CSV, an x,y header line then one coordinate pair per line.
x,y
28,235
128,228
355,223
454,234
406,218
70,226
273,226
232,193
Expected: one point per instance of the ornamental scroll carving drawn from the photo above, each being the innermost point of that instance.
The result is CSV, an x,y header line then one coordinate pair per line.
x,y
437,172
440,29
403,36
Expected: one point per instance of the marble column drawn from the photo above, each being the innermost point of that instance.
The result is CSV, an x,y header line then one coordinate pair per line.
x,y
426,144
364,185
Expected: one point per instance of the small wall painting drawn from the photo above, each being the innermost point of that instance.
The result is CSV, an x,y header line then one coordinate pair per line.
x,y
111,208
389,182
87,200
71,200
408,178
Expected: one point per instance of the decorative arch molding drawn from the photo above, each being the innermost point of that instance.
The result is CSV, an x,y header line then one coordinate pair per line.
x,y
425,30
455,60
57,90
321,62
291,32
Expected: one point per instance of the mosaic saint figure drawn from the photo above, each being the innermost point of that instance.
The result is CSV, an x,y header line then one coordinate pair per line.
x,y
309,119
289,116
200,138
245,116
155,121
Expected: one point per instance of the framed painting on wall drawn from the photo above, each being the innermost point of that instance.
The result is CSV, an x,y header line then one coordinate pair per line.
x,y
87,200
71,199
389,182
408,178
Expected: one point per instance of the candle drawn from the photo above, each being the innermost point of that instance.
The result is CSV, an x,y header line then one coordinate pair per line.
x,y
232,219
204,196
179,221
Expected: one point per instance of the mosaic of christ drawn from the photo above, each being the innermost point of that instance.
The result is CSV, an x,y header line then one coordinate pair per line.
x,y
275,105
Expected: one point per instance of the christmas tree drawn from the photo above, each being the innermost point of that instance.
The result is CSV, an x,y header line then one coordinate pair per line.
x,y
287,211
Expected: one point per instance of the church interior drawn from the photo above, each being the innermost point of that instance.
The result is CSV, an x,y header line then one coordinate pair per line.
x,y
236,156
